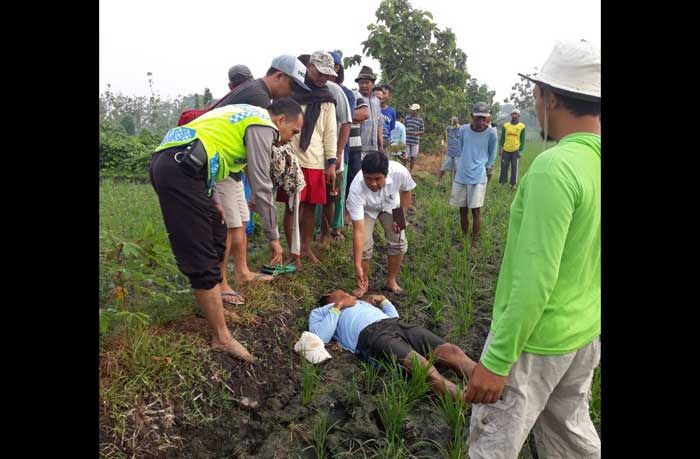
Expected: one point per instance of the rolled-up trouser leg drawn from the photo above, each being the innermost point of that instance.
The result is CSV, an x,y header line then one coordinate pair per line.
x,y
398,245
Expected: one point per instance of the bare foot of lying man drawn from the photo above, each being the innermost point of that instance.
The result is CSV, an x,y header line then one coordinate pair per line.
x,y
371,329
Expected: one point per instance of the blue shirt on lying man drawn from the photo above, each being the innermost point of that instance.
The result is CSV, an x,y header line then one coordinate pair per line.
x,y
329,323
372,334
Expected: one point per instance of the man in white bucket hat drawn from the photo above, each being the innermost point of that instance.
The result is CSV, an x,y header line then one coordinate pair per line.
x,y
538,361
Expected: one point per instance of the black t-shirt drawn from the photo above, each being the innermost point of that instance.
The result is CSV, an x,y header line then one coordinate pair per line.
x,y
253,93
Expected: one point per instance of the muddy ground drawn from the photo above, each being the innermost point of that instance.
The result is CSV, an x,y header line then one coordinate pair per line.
x,y
269,420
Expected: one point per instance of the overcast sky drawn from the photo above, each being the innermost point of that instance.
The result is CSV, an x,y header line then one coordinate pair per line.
x,y
190,45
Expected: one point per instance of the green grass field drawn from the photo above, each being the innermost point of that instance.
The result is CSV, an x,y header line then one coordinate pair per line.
x,y
164,394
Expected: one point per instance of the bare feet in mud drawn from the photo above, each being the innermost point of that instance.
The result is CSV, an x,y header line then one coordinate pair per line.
x,y
310,257
337,235
393,287
234,349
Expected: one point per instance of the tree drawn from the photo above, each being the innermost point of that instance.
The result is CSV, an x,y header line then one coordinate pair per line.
x,y
521,95
422,63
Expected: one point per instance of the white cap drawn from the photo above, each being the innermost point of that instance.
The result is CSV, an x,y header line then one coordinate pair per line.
x,y
415,107
515,110
312,347
573,68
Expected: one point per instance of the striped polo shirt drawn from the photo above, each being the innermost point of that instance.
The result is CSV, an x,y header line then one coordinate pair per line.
x,y
413,124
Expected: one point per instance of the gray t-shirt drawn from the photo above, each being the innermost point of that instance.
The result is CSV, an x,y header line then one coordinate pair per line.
x,y
258,141
252,93
370,126
342,106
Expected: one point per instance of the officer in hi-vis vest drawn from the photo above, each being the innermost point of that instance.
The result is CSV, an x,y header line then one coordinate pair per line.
x,y
187,164
511,144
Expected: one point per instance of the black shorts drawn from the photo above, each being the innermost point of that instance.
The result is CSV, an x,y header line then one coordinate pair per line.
x,y
195,231
390,337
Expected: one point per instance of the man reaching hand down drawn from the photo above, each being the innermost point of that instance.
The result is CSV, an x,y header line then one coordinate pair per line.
x,y
380,191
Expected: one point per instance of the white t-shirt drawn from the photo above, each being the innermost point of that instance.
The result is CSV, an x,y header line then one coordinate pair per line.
x,y
362,200
342,113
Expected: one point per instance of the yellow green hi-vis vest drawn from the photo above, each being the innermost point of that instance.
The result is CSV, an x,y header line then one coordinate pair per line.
x,y
222,133
512,141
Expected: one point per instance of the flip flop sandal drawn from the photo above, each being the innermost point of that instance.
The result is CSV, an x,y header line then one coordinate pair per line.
x,y
239,302
279,269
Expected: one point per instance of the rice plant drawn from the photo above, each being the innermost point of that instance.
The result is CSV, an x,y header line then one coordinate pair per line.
x,y
310,380
319,434
453,412
370,374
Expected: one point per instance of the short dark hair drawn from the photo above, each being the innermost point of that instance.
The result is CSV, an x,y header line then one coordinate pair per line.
x,y
285,106
378,88
304,58
341,74
578,107
399,115
387,87
272,71
375,162
324,299
240,79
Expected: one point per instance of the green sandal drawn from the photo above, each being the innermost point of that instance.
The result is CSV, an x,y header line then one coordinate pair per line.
x,y
279,269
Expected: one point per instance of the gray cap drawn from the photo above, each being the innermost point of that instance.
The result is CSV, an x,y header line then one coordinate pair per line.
x,y
292,67
239,73
481,109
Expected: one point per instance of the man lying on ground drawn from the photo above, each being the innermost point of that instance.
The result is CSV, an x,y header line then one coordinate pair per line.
x,y
369,332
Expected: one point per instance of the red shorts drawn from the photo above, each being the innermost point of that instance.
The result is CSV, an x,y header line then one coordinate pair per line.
x,y
315,190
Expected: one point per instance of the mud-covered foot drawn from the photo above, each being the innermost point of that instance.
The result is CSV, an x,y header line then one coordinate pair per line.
x,y
393,287
234,349
337,235
310,257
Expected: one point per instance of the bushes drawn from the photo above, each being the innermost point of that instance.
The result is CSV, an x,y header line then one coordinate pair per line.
x,y
121,153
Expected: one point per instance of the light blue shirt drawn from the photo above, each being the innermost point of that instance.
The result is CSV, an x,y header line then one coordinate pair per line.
x,y
398,134
478,152
345,328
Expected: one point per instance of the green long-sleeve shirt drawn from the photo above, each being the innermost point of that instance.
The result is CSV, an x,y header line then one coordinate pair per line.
x,y
548,292
502,139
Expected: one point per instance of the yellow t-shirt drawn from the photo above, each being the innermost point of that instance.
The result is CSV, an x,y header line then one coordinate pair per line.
x,y
512,140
